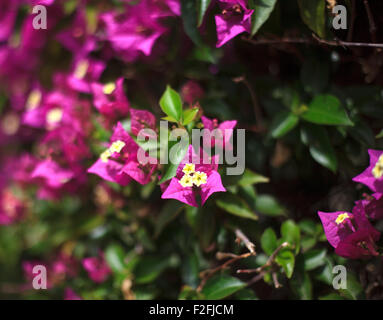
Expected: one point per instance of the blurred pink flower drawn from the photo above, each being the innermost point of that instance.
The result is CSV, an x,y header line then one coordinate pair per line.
x,y
97,268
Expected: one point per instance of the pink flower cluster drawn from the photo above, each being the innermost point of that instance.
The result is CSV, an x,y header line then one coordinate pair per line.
x,y
351,233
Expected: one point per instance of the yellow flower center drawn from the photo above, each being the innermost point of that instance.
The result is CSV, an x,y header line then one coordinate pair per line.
x,y
189,168
341,218
34,99
192,177
186,181
109,88
377,172
116,146
199,178
55,115
81,69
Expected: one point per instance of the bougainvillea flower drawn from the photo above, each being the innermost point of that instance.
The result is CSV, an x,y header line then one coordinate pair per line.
x,y
360,244
119,162
196,176
372,177
85,71
11,208
234,19
163,8
110,99
345,230
131,33
70,294
52,173
65,141
8,13
191,92
51,110
78,38
224,132
142,119
373,205
97,268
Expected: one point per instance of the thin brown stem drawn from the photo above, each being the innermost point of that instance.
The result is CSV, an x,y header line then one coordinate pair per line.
x,y
371,20
256,106
242,237
353,16
314,41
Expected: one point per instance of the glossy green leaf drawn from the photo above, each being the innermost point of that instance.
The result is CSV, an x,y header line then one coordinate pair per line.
x,y
202,7
222,286
326,109
262,11
301,284
269,241
189,14
171,104
313,15
168,213
314,259
236,206
149,268
114,256
268,205
249,178
317,139
291,233
189,115
171,168
283,123
286,259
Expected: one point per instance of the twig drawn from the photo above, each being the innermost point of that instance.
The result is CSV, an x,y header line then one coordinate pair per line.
x,y
353,15
315,41
206,274
275,280
257,108
268,263
371,21
240,235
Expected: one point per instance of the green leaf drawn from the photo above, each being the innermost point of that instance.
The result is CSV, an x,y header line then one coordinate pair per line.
x,y
171,168
283,122
202,7
291,233
171,103
189,115
286,259
314,259
262,11
269,241
149,268
249,178
326,109
245,294
222,286
114,256
313,15
302,286
354,290
189,18
316,138
168,213
268,205
236,206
